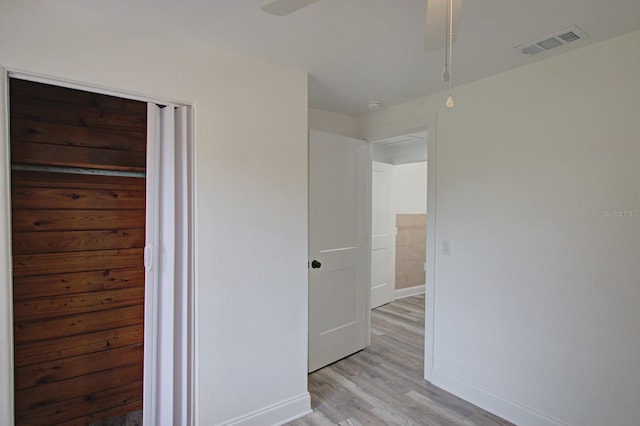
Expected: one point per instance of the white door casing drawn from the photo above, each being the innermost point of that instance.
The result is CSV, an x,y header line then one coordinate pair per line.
x,y
400,126
338,220
382,235
6,295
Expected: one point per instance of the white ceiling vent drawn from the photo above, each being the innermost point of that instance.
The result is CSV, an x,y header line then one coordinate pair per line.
x,y
552,41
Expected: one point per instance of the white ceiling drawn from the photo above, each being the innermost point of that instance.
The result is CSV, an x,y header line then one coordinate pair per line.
x,y
357,50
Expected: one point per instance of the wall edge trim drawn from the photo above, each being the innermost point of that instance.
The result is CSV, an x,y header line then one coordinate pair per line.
x,y
409,291
276,414
500,405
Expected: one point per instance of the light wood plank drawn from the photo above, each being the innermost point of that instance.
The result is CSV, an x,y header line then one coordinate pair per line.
x,y
383,384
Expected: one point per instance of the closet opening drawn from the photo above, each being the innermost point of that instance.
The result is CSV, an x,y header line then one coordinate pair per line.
x,y
399,217
89,212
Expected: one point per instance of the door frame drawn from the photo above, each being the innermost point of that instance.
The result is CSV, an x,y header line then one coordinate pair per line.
x,y
390,215
151,364
426,123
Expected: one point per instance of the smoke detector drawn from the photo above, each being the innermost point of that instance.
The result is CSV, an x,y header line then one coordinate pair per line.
x,y
374,104
552,41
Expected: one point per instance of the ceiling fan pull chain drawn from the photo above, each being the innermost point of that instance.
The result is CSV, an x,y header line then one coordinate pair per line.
x,y
449,48
446,74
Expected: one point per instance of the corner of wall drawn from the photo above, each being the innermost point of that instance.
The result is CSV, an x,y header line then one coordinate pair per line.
x,y
276,414
502,406
332,122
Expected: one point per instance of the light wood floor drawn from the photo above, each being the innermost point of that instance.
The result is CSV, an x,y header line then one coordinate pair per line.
x,y
383,384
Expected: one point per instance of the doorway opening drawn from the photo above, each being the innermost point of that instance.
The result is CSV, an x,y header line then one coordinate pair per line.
x,y
424,304
412,146
399,217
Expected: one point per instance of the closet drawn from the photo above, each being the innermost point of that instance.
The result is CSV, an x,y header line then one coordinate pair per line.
x,y
78,163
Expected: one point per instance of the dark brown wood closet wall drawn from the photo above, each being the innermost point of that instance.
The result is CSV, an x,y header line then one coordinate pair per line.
x,y
78,240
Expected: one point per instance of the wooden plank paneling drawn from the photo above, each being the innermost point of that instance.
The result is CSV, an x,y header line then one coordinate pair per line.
x,y
29,179
80,407
69,198
66,114
61,263
69,220
55,306
68,241
51,393
47,350
77,246
117,411
66,368
42,93
32,331
43,154
80,282
64,134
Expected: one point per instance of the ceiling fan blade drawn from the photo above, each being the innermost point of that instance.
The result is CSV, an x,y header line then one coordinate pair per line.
x,y
285,7
435,36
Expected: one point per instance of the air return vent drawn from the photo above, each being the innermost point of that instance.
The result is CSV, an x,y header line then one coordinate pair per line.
x,y
552,41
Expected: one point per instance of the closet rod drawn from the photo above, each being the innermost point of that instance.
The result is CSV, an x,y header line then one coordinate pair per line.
x,y
76,171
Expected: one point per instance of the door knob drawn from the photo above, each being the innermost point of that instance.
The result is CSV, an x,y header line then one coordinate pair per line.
x,y
315,264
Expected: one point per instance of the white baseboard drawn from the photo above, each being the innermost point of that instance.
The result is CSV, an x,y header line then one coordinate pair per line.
x,y
276,414
507,408
408,292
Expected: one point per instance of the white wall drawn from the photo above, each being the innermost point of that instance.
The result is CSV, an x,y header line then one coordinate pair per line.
x,y
536,309
409,188
251,210
331,122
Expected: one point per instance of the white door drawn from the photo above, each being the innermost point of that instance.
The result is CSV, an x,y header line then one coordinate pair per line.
x,y
338,251
382,236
